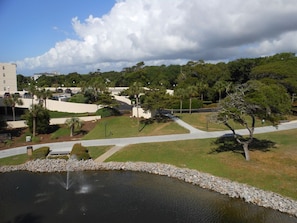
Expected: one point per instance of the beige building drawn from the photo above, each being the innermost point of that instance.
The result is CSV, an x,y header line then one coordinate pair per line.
x,y
8,77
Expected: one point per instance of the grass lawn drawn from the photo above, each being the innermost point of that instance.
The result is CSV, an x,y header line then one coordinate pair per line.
x,y
124,126
204,121
56,114
14,160
274,170
96,151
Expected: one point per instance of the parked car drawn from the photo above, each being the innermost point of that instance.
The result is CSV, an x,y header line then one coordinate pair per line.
x,y
27,95
6,95
68,91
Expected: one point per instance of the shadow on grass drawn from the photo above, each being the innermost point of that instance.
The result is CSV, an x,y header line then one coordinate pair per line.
x,y
52,128
158,118
228,143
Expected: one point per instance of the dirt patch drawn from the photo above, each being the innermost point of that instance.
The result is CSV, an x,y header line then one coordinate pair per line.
x,y
18,136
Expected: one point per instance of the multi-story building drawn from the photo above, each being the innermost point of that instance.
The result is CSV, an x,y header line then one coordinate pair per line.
x,y
8,77
38,75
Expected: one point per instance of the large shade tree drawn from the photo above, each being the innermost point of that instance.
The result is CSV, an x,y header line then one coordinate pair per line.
x,y
250,101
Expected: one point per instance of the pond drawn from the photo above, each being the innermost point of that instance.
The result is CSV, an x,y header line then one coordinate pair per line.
x,y
120,196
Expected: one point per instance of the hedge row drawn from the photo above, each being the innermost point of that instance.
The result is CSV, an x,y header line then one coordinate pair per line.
x,y
41,153
79,152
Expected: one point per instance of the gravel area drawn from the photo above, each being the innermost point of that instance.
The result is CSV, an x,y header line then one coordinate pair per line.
x,y
224,186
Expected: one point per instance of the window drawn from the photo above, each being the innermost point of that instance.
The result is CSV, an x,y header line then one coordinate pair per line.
x,y
4,89
3,74
4,82
3,67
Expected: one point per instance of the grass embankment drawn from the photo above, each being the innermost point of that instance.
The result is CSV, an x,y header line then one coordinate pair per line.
x,y
124,126
273,170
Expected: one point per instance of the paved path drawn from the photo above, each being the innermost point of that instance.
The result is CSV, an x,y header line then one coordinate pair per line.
x,y
120,142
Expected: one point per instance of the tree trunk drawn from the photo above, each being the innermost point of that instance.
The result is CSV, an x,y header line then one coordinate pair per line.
x,y
246,151
71,130
180,106
13,113
190,105
34,126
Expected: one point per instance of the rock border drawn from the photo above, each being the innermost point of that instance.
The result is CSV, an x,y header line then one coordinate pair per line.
x,y
221,185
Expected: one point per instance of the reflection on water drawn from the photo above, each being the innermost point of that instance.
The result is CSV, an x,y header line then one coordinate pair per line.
x,y
111,196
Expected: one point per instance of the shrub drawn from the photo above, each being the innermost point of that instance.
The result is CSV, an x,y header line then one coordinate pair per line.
x,y
107,111
41,153
79,152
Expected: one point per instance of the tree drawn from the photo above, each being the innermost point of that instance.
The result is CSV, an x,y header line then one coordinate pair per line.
x,y
37,118
181,94
192,92
250,101
12,101
43,94
220,86
73,123
155,99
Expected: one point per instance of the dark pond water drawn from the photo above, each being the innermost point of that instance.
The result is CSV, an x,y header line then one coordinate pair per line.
x,y
112,196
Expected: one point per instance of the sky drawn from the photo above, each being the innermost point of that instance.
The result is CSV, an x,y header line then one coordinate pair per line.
x,y
82,36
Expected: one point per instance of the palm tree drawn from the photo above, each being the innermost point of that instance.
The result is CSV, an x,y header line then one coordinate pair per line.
x,y
181,94
192,92
12,101
35,110
219,87
73,123
44,94
202,87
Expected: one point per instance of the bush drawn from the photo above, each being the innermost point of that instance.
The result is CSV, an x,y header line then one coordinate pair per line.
x,y
79,152
41,153
107,112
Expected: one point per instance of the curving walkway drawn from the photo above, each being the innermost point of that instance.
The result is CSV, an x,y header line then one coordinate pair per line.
x,y
119,143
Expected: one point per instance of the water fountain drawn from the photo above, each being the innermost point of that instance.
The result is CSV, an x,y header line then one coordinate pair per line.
x,y
117,196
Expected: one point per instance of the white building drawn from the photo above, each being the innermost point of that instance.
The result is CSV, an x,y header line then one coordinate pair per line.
x,y
8,77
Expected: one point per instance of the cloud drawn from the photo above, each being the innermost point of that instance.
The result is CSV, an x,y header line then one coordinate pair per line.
x,y
171,31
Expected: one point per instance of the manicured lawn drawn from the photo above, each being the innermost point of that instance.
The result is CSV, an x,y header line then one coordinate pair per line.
x,y
55,114
205,122
124,126
14,160
96,151
274,170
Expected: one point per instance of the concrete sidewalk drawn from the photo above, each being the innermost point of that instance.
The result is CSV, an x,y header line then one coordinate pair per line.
x,y
121,142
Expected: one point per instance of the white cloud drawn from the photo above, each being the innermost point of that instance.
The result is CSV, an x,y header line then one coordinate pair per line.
x,y
173,30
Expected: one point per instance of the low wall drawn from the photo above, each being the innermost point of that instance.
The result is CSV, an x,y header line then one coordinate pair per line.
x,y
53,121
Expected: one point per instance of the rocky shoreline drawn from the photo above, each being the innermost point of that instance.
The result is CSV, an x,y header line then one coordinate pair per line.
x,y
223,186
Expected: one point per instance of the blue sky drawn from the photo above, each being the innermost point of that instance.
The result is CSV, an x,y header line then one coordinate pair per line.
x,y
31,27
85,35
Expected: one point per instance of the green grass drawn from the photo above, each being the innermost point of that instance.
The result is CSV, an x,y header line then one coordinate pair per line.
x,y
274,170
124,126
204,121
62,131
14,160
56,114
96,151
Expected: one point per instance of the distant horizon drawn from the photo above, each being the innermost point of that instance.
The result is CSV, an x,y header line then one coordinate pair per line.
x,y
111,35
